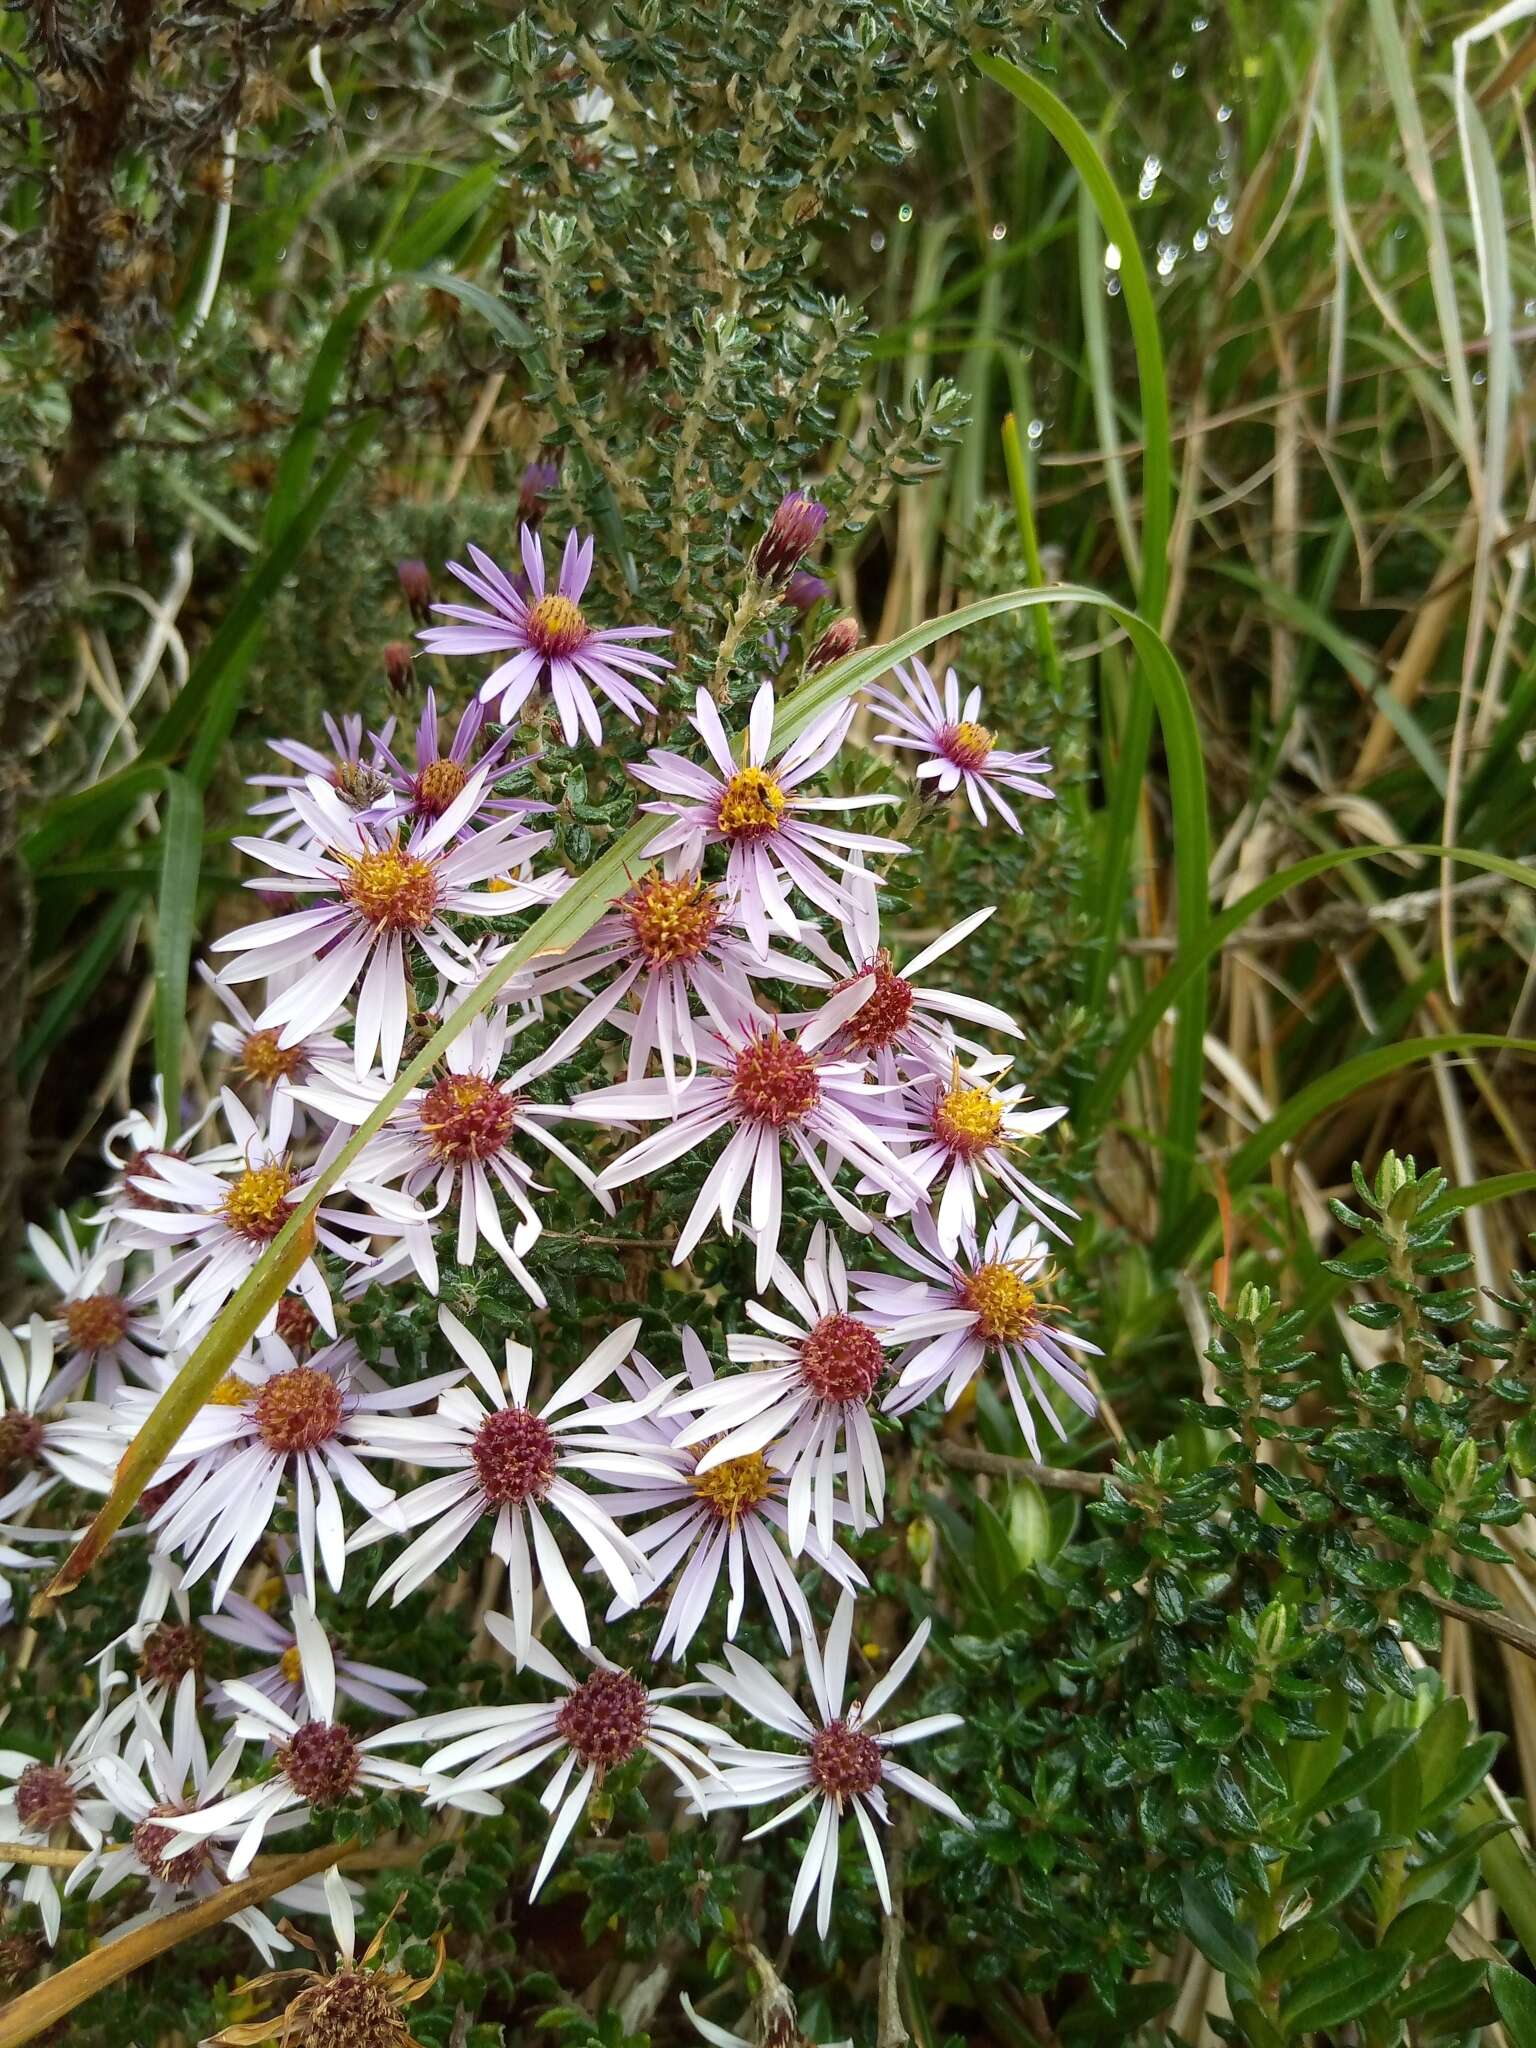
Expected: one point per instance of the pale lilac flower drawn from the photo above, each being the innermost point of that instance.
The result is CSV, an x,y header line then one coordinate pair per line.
x,y
106,1336
383,901
805,590
983,1301
152,1787
453,1145
320,1763
359,775
668,938
808,1409
259,1062
38,1426
250,1627
598,1725
440,774
969,1132
19,1500
44,1801
510,1464
548,639
904,1019
218,1213
728,1518
959,752
770,1091
752,810
273,1425
839,1763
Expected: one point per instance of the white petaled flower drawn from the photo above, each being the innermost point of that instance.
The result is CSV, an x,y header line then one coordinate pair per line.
x,y
904,1019
250,1627
357,769
772,846
728,1519
668,939
257,1059
38,1428
20,1500
507,1463
217,1213
452,1146
381,900
771,1092
808,1408
44,1802
983,1302
273,1426
775,2023
106,1336
321,1764
134,1144
440,774
548,639
967,1133
841,1762
599,1723
154,1785
959,752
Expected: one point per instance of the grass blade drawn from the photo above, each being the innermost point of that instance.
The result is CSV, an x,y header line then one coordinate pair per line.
x,y
69,998
181,860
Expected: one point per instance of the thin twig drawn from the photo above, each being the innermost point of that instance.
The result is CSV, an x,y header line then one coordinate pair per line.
x,y
968,1460
1512,1632
890,2030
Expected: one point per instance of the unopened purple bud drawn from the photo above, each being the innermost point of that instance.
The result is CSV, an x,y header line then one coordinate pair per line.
x,y
795,527
397,667
805,590
539,480
415,587
840,638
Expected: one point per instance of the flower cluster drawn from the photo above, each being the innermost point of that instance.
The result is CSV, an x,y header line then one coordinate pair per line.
x,y
397,884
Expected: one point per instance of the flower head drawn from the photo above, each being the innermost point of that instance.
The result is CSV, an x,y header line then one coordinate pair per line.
x,y
442,772
106,1336
972,1132
281,1680
46,1800
958,751
793,530
548,639
42,1434
357,770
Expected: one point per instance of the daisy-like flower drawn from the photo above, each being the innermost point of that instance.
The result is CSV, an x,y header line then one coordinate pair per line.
x,y
751,809
38,1427
320,1763
730,1518
134,1144
668,938
958,751
839,1763
441,775
250,1627
154,1785
984,1301
106,1336
969,1132
19,1500
904,1018
382,899
503,1459
769,1090
269,1425
597,1725
257,1060
453,1145
809,1408
43,1803
547,639
218,1213
357,768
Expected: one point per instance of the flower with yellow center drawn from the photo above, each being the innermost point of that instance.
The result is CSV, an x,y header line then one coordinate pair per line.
x,y
556,625
257,1204
967,1119
264,1060
394,890
751,805
968,744
731,1489
1004,1303
231,1392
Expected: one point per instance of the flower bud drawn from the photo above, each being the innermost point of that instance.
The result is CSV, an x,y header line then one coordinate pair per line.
x,y
397,667
805,590
539,479
795,527
840,638
415,587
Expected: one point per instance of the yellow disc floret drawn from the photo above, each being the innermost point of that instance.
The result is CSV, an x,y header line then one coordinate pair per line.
x,y
392,889
751,805
1003,1304
556,625
257,1205
968,1120
729,1490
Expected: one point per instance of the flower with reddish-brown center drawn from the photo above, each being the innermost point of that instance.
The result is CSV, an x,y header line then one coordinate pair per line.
x,y
1003,1304
437,785
320,1761
672,920
296,1323
171,1649
297,1409
465,1117
257,1204
45,1798
153,1843
97,1322
751,805
966,744
556,626
844,1761
141,1166
774,1080
263,1060
967,1120
605,1718
514,1453
395,891
21,1437
885,1015
842,1359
